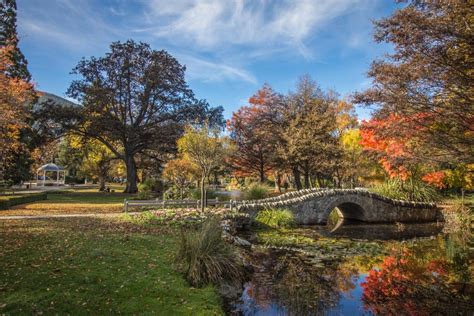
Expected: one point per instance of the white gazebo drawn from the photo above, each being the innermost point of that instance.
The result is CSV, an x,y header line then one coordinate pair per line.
x,y
56,170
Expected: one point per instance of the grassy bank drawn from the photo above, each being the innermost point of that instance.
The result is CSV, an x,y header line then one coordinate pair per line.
x,y
94,266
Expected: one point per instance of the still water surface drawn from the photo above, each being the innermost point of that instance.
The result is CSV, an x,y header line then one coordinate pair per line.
x,y
350,269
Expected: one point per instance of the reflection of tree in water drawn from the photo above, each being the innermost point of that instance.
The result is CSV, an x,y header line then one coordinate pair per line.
x,y
457,250
415,284
302,288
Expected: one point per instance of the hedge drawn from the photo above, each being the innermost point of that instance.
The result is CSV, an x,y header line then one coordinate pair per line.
x,y
16,200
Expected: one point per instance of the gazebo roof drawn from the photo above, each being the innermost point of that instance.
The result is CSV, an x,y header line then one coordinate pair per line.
x,y
50,167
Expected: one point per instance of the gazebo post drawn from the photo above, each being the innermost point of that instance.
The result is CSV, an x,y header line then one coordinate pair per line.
x,y
44,176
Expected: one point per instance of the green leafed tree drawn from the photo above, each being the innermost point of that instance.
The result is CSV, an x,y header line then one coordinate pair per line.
x,y
9,37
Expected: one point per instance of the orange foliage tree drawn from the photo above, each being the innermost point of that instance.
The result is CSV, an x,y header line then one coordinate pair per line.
x,y
395,142
15,97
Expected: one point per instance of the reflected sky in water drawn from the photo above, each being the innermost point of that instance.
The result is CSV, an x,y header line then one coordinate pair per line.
x,y
359,270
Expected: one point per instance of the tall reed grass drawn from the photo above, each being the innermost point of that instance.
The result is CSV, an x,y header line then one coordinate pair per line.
x,y
205,258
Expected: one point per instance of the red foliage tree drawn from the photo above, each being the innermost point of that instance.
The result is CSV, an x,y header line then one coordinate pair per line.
x,y
400,153
255,150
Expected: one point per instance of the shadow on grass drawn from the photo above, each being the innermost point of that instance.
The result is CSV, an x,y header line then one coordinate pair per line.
x,y
94,265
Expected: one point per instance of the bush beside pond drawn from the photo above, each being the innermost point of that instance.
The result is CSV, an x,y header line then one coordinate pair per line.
x,y
256,191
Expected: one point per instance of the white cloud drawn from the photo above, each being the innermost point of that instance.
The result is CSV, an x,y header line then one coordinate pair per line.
x,y
211,24
207,71
72,24
217,39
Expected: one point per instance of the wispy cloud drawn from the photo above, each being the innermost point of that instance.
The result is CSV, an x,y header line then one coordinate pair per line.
x,y
212,24
73,24
207,71
218,40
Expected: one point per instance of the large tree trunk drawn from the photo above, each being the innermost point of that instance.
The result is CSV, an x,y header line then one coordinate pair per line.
x,y
261,169
101,183
318,180
103,172
306,176
131,174
278,181
297,176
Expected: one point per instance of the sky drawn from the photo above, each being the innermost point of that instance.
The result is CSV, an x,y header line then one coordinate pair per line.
x,y
230,47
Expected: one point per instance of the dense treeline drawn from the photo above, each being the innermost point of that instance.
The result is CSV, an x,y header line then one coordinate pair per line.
x,y
138,121
296,138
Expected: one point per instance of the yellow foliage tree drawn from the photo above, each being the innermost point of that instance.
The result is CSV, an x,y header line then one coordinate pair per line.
x,y
205,150
181,173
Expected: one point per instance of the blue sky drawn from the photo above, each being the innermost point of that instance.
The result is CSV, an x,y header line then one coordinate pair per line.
x,y
230,47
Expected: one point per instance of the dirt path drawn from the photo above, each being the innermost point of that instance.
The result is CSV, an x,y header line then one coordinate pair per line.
x,y
46,216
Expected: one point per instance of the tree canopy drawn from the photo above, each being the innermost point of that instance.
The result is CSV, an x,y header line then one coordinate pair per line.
x,y
424,90
135,101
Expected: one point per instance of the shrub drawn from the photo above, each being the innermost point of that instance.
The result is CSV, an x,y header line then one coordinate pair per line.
x,y
276,218
148,185
256,191
204,257
143,196
74,180
414,190
196,194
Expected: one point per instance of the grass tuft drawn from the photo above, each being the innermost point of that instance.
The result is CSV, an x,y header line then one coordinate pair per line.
x,y
416,191
205,258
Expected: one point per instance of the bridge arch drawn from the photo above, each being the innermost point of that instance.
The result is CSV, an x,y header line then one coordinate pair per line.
x,y
350,207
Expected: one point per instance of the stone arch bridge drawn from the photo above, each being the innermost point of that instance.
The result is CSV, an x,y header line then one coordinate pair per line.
x,y
313,206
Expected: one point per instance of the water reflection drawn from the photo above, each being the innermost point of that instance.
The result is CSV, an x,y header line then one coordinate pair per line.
x,y
403,275
400,231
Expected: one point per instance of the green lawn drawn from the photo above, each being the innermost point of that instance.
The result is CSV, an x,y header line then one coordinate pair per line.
x,y
94,266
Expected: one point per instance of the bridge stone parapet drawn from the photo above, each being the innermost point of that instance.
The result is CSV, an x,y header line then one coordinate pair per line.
x,y
313,206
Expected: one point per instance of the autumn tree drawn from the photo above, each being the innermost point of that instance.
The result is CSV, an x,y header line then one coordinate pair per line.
x,y
298,133
181,173
353,160
16,95
135,101
254,142
206,151
97,161
310,144
423,92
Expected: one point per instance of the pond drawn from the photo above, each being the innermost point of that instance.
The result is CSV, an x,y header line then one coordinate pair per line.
x,y
357,269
